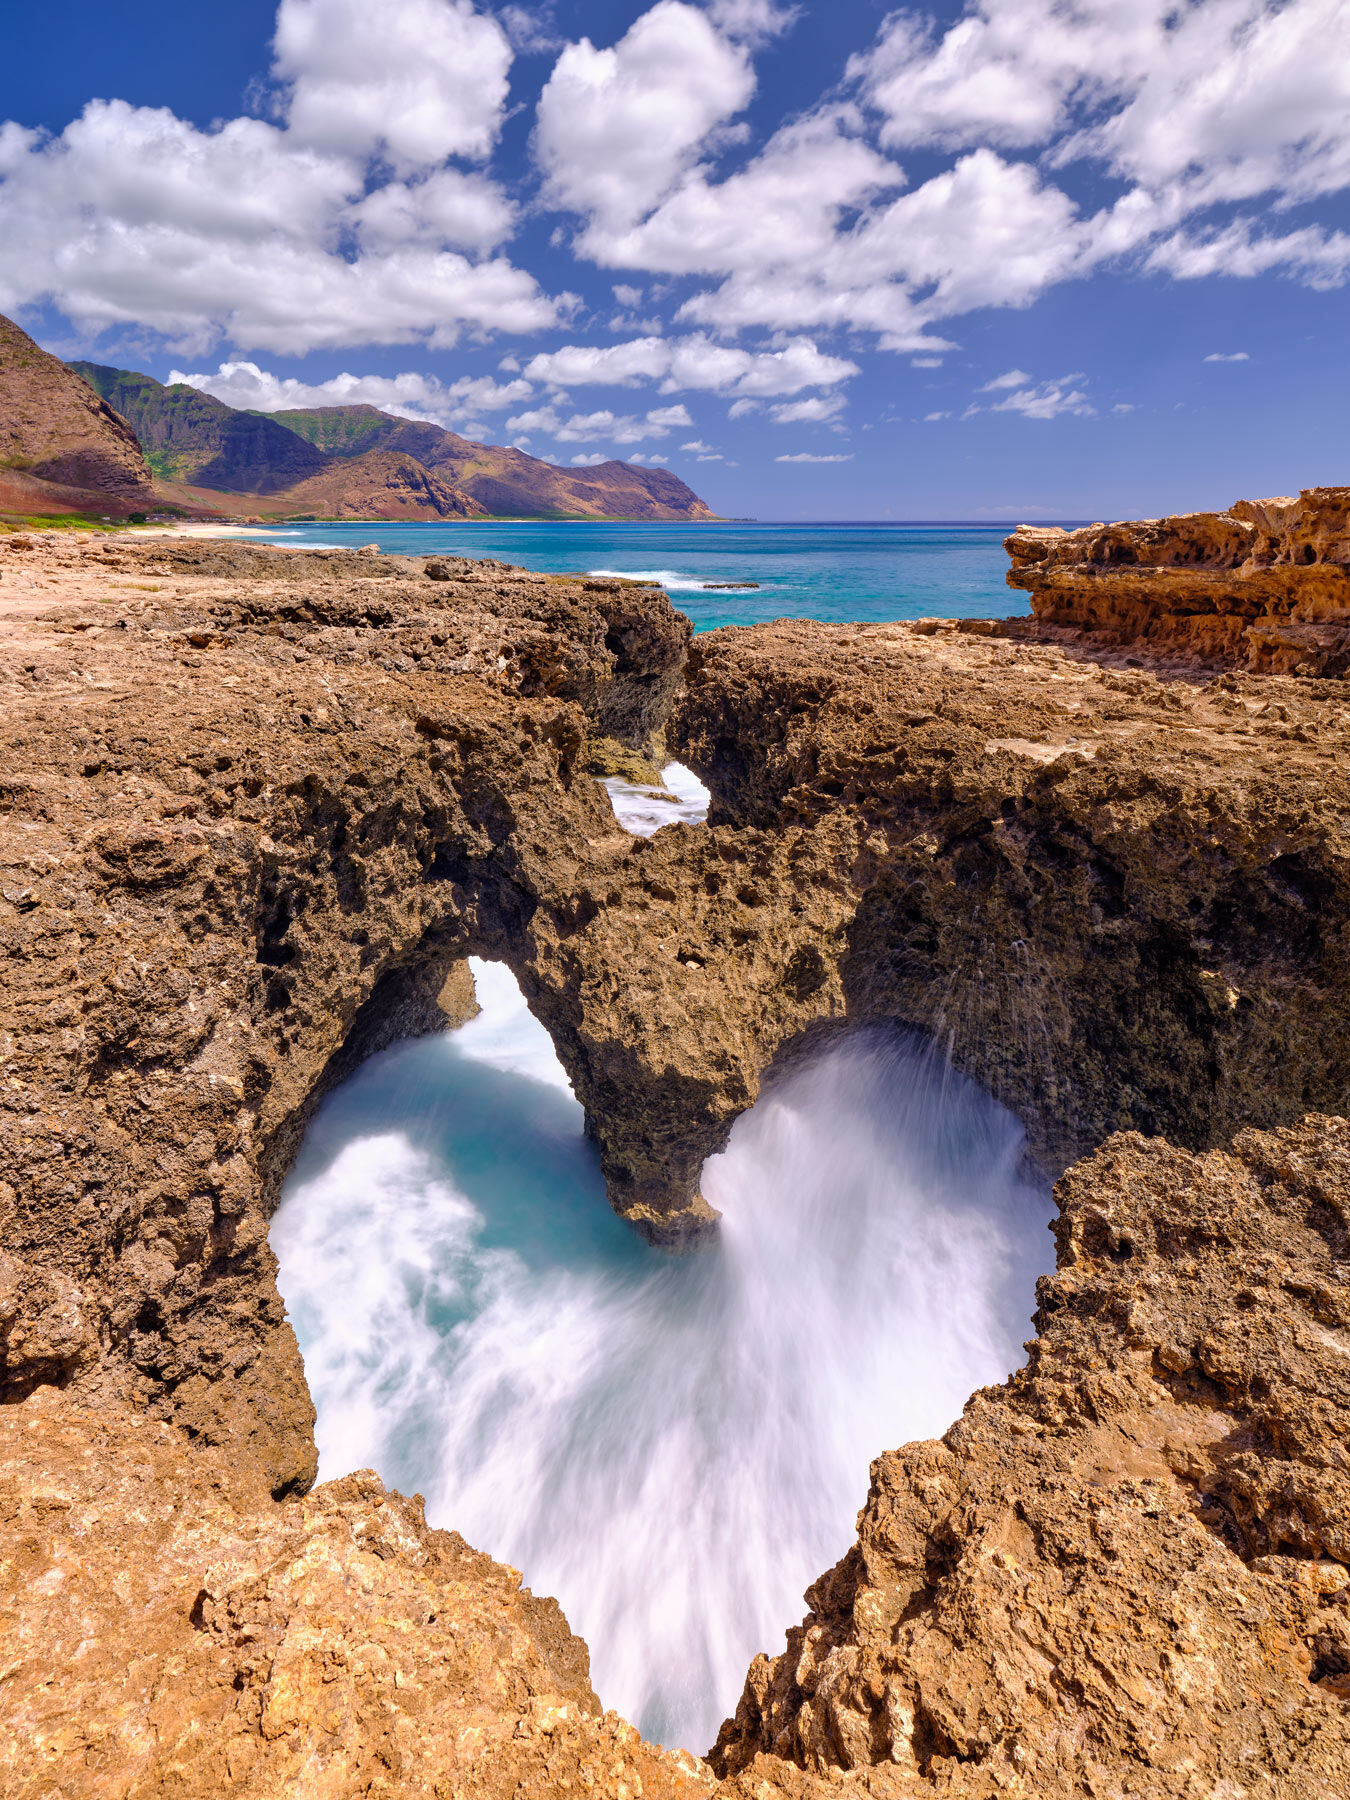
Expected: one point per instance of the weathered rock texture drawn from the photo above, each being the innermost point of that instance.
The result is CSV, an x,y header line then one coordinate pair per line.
x,y
1128,1570
258,808
1265,585
169,1632
253,820
1118,902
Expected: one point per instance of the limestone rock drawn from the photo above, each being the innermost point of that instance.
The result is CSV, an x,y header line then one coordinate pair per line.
x,y
1128,1570
1265,585
169,1630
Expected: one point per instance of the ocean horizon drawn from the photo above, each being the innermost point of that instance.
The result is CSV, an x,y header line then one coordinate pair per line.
x,y
835,571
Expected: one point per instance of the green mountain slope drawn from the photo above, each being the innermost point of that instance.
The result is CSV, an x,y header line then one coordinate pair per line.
x,y
507,483
189,436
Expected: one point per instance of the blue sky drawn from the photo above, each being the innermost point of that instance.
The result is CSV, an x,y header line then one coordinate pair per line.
x,y
1022,258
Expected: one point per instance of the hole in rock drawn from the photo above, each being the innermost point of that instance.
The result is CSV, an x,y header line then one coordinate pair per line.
x,y
673,1446
644,810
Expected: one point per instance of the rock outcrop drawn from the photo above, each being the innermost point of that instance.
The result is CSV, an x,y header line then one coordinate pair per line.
x,y
209,1642
54,428
1118,902
1128,1570
1263,586
259,807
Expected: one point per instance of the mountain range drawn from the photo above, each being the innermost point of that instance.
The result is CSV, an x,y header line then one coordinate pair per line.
x,y
85,437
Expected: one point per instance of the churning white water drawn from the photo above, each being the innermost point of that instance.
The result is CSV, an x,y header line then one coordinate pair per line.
x,y
673,1446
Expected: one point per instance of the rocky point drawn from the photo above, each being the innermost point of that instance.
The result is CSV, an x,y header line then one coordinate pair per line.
x,y
259,808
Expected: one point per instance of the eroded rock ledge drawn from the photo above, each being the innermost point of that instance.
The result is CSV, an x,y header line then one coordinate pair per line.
x,y
1265,585
260,806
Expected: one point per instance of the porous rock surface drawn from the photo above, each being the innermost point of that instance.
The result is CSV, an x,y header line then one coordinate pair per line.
x,y
1118,902
1127,1571
170,1631
259,806
1265,585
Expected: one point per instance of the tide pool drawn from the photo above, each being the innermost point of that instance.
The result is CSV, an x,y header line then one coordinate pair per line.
x,y
838,573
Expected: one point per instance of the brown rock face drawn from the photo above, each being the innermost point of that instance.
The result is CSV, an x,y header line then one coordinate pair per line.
x,y
383,484
256,816
260,806
1128,1570
1265,585
1119,902
54,426
209,1642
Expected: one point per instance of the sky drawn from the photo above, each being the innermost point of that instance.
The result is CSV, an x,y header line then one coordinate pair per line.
x,y
1014,259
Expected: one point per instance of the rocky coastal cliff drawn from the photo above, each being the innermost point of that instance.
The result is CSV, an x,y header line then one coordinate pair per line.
x,y
259,808
1265,585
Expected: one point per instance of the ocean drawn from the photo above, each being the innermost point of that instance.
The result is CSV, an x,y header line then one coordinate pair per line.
x,y
868,573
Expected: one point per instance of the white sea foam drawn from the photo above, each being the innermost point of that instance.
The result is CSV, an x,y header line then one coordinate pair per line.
x,y
644,810
671,579
674,1447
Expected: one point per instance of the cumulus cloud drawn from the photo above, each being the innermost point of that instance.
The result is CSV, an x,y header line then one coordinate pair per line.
x,y
1211,103
416,80
615,128
335,227
410,396
616,428
805,456
696,363
588,461
1015,378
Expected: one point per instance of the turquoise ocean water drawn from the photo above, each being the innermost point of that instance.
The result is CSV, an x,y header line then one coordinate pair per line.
x,y
869,573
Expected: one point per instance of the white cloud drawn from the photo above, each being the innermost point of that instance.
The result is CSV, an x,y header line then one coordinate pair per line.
x,y
925,362
1236,356
648,456
753,21
1186,106
615,128
1049,400
1319,258
589,461
804,456
410,396
618,428
1124,406
1015,378
541,418
628,296
933,417
694,362
414,80
808,412
530,29
697,446
286,238
449,207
